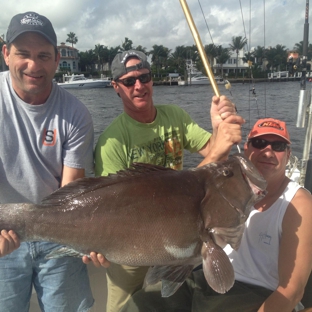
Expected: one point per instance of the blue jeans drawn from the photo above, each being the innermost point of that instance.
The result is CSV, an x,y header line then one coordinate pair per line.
x,y
62,285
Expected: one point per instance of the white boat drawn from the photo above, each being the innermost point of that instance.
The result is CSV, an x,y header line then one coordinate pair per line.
x,y
81,82
200,79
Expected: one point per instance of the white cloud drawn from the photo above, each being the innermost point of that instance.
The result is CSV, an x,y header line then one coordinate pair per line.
x,y
149,22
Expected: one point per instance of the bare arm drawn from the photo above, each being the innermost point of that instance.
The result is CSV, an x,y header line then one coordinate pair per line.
x,y
295,257
71,174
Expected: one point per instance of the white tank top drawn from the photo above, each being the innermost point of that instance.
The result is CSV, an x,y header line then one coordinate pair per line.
x,y
256,260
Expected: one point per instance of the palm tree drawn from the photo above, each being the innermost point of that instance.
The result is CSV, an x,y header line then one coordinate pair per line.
x,y
127,45
277,57
211,51
71,38
160,56
259,54
299,48
237,44
248,58
142,49
87,59
112,52
177,59
99,51
223,54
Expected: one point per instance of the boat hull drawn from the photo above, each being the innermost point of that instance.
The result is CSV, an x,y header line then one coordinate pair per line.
x,y
199,82
85,84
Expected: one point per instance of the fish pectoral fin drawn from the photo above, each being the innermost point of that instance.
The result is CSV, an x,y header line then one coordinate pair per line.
x,y
65,252
172,277
217,267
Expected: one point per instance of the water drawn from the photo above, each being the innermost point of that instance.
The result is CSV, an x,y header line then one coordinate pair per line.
x,y
277,100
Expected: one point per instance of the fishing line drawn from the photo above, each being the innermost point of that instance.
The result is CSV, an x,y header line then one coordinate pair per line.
x,y
227,83
205,21
252,91
200,48
243,22
245,126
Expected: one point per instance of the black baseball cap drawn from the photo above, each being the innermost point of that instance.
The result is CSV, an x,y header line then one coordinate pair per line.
x,y
33,22
119,63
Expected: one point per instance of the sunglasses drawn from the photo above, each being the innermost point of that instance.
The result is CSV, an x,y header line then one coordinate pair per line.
x,y
277,146
130,81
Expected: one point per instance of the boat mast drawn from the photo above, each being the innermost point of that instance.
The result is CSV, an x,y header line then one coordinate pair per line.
x,y
302,105
304,98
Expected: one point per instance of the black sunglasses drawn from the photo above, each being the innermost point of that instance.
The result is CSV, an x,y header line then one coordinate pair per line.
x,y
130,81
277,146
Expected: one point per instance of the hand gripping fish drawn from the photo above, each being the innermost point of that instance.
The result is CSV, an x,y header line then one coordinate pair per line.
x,y
149,216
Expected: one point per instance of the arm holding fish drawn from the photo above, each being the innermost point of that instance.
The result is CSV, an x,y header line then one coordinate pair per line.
x,y
8,242
295,256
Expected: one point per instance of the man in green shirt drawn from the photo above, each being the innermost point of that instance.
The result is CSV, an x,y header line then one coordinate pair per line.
x,y
154,134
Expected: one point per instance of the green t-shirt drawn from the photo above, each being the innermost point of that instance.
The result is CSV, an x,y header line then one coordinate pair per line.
x,y
161,142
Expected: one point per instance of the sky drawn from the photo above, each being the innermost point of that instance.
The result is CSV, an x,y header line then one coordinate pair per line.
x,y
162,22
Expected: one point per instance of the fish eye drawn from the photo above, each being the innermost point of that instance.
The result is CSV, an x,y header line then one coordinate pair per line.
x,y
227,172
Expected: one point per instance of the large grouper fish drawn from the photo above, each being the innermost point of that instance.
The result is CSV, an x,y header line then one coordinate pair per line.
x,y
149,216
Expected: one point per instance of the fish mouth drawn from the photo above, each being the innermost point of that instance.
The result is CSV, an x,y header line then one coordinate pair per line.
x,y
254,178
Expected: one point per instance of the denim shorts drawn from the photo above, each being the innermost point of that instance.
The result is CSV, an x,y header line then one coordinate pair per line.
x,y
62,285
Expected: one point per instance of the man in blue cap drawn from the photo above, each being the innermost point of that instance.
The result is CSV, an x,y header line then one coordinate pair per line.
x,y
46,142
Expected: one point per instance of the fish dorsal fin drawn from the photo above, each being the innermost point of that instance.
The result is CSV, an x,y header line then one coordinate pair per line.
x,y
142,168
85,185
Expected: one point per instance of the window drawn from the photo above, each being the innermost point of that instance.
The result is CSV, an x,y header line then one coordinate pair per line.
x,y
63,52
65,64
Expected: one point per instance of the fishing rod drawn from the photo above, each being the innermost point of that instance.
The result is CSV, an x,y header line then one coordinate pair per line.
x,y
201,50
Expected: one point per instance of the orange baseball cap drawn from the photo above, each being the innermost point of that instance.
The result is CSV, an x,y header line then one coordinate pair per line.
x,y
269,126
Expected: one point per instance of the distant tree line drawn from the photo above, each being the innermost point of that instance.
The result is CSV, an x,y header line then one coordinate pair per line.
x,y
165,60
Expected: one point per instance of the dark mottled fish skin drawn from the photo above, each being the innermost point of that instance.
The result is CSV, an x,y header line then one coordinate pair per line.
x,y
150,216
